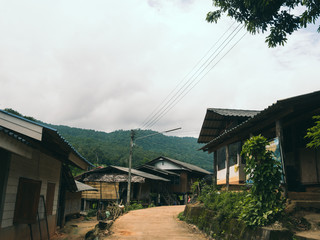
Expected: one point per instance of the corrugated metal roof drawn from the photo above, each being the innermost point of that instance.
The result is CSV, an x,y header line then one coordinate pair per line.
x,y
162,171
234,112
298,102
14,135
187,166
51,135
116,169
218,120
142,174
84,187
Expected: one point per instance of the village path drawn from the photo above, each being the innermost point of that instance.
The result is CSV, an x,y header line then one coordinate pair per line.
x,y
154,223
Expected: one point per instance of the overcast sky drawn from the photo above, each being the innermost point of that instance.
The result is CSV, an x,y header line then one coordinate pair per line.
x,y
107,64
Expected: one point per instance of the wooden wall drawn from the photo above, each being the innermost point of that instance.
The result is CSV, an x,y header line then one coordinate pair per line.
x,y
108,191
36,166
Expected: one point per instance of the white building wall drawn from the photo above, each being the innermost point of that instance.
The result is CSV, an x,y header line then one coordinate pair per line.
x,y
40,167
166,165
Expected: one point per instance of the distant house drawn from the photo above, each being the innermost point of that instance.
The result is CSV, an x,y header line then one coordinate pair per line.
x,y
112,183
181,174
73,199
217,122
34,177
285,124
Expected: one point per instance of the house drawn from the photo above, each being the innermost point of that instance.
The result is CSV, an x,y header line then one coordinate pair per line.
x,y
285,124
216,122
181,174
112,184
73,199
34,177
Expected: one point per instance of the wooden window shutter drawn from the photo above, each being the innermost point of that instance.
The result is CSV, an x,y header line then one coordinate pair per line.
x,y
27,201
50,197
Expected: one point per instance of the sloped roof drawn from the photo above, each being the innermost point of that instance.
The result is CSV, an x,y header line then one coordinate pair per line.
x,y
112,178
293,107
161,171
233,112
111,172
218,120
186,166
40,135
84,187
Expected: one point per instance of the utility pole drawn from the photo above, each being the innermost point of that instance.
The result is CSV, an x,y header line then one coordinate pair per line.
x,y
130,157
130,162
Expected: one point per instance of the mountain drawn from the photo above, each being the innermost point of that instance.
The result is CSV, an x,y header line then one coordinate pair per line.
x,y
101,148
113,148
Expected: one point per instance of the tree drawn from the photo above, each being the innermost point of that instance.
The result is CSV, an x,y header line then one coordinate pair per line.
x,y
314,134
280,17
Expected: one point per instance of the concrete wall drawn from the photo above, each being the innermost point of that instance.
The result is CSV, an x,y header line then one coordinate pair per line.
x,y
36,166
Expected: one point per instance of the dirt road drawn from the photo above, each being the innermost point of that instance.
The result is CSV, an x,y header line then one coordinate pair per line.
x,y
155,224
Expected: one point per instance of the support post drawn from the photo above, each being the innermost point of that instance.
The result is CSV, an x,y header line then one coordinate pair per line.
x,y
279,134
214,177
227,168
129,174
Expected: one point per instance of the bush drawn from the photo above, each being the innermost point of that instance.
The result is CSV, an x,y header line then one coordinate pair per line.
x,y
264,203
133,206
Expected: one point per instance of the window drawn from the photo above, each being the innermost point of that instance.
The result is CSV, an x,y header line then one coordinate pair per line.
x,y
221,158
27,201
234,150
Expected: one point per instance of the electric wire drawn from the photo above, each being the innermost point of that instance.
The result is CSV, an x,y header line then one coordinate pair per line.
x,y
165,100
168,109
188,84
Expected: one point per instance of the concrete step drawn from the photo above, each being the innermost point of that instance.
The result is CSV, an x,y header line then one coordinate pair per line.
x,y
304,196
308,235
306,204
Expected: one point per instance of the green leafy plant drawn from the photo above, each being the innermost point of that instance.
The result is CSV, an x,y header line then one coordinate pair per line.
x,y
264,203
313,134
133,206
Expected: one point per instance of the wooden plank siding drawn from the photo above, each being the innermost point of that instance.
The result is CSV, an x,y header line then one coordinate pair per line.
x,y
108,191
42,168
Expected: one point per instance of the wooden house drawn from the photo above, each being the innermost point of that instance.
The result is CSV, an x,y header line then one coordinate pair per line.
x,y
112,183
181,174
284,123
34,178
73,199
216,122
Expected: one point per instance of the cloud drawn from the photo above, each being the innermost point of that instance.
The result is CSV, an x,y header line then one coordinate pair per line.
x,y
106,65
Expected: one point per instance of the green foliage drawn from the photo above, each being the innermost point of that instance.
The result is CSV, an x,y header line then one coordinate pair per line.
x,y
313,134
133,206
181,216
103,149
264,202
226,204
280,17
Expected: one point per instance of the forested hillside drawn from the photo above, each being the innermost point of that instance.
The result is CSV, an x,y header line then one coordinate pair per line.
x,y
101,148
113,148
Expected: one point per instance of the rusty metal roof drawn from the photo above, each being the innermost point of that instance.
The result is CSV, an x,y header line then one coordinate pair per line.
x,y
218,120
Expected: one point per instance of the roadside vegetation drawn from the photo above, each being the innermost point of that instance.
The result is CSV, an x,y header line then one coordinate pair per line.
x,y
259,205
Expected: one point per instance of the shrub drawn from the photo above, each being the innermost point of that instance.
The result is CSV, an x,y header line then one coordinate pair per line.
x,y
264,203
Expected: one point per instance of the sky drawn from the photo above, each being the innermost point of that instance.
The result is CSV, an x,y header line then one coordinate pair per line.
x,y
108,64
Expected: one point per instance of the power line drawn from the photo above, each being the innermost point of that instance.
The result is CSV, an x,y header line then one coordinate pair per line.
x,y
189,85
165,100
168,109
